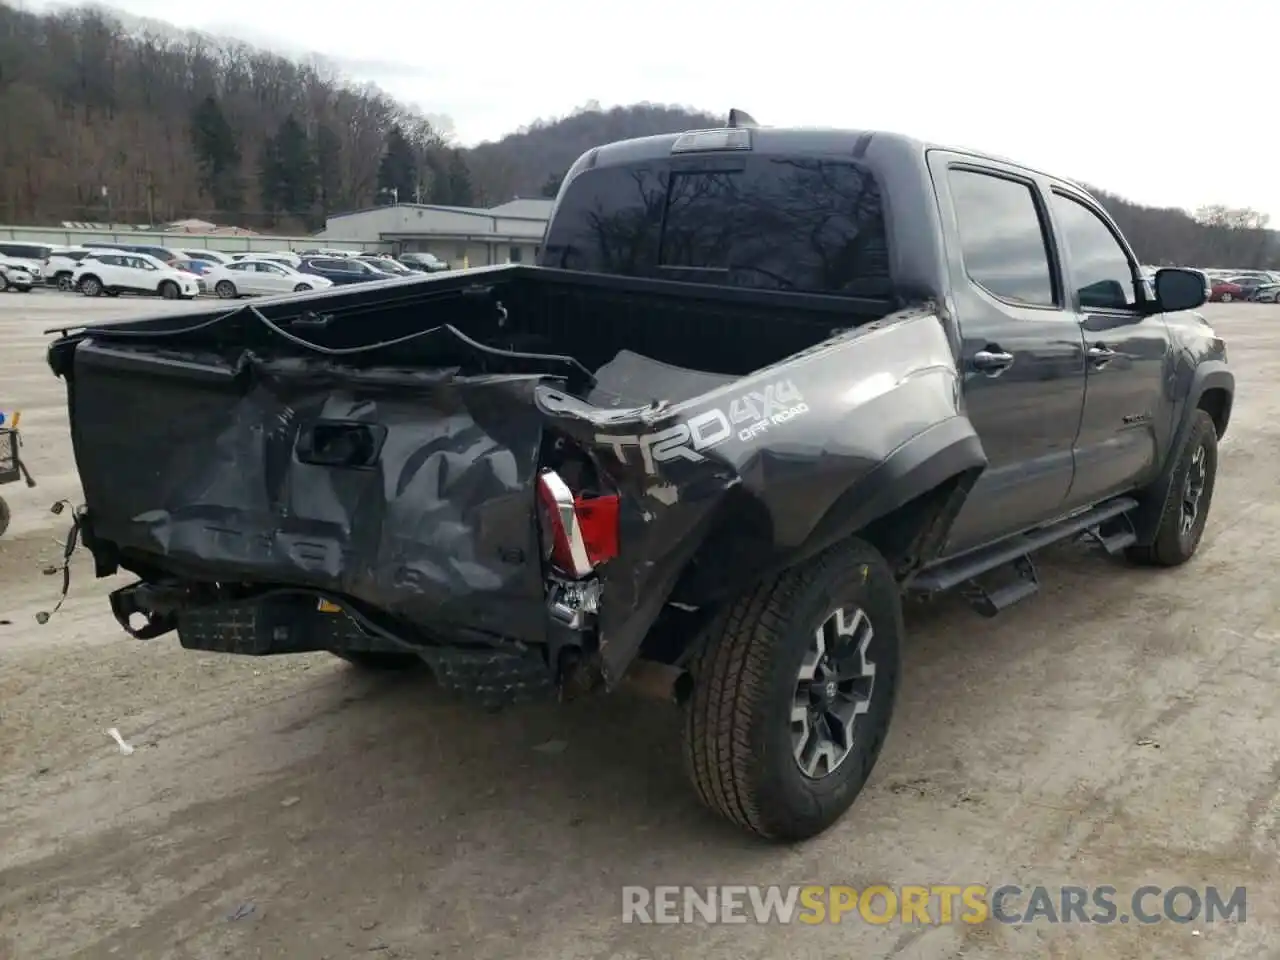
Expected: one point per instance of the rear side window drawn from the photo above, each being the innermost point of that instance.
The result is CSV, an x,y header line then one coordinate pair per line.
x,y
1002,237
24,251
779,223
1101,269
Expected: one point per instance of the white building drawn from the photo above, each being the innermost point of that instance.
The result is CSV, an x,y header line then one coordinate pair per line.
x,y
467,236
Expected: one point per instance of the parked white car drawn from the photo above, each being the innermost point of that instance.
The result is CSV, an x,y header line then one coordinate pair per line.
x,y
260,277
30,256
15,275
62,264
114,272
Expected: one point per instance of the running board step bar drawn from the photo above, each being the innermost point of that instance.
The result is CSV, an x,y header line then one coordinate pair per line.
x,y
1115,534
990,601
951,573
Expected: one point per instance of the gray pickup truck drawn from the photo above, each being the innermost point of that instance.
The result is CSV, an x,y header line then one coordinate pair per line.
x,y
762,384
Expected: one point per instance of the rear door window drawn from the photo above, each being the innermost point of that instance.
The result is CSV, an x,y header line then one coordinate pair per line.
x,y
814,225
24,251
1003,240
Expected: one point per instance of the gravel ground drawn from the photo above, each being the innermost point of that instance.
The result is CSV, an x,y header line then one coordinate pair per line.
x,y
1120,728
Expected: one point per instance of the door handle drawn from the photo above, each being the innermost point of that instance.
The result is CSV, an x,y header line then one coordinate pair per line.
x,y
1100,354
992,361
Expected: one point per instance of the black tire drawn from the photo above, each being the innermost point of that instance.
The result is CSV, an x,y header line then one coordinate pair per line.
x,y
4,283
4,516
1175,542
739,731
23,289
302,288
225,289
91,286
170,290
64,282
379,660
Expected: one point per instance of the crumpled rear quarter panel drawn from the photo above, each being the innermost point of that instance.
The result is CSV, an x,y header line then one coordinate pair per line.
x,y
705,482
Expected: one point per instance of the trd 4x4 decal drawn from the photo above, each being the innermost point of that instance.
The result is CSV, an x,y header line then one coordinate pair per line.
x,y
746,417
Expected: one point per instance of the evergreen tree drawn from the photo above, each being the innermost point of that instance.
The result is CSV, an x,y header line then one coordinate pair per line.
x,y
552,186
438,168
329,169
270,176
458,178
218,155
289,170
398,170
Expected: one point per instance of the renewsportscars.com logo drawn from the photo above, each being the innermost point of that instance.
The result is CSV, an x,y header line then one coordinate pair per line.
x,y
935,904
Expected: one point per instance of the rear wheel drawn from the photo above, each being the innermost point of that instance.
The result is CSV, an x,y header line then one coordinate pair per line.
x,y
4,516
379,660
225,289
4,283
1187,501
302,288
793,692
91,286
64,281
170,290
1226,298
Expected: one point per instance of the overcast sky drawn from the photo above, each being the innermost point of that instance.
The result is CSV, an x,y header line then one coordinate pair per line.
x,y
1164,101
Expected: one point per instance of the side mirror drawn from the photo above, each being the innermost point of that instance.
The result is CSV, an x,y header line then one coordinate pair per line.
x,y
1178,289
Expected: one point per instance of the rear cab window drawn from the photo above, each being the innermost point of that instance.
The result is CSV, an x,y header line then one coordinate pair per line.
x,y
807,224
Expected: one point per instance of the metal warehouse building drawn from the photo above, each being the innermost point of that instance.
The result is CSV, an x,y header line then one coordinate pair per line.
x,y
467,236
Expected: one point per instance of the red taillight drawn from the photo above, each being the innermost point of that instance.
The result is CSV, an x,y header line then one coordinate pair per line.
x,y
579,533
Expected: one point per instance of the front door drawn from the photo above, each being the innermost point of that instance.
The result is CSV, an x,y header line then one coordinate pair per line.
x,y
1021,348
1126,420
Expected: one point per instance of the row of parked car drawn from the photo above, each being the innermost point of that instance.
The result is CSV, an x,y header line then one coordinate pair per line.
x,y
1260,286
101,268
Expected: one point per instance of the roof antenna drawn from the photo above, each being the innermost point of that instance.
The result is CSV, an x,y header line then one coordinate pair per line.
x,y
740,118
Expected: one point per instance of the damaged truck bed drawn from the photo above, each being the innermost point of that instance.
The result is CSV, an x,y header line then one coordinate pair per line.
x,y
761,384
393,452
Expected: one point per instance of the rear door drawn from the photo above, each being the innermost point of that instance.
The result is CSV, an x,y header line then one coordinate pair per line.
x,y
1022,354
1126,420
138,274
263,278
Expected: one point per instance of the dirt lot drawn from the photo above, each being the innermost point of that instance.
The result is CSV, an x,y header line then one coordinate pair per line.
x,y
1121,728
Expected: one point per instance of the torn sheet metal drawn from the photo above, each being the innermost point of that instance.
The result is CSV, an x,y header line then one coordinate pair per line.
x,y
409,491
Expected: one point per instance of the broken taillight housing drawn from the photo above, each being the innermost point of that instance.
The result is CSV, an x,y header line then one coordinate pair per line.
x,y
578,533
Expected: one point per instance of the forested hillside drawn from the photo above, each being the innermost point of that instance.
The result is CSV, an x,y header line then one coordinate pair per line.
x,y
99,121
530,162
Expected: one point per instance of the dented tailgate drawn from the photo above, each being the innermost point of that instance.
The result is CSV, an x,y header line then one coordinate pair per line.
x,y
408,490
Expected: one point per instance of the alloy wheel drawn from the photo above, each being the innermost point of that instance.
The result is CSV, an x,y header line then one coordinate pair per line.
x,y
833,688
